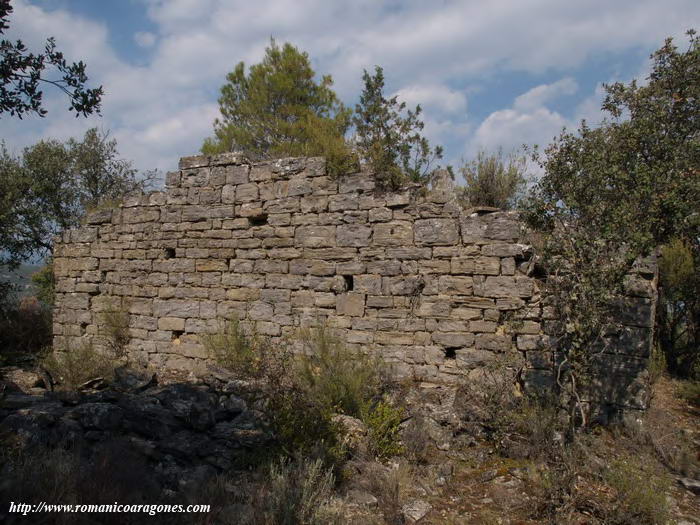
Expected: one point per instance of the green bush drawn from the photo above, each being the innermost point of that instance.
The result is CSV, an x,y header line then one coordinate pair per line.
x,y
303,392
492,180
383,420
45,283
338,379
300,422
690,392
248,356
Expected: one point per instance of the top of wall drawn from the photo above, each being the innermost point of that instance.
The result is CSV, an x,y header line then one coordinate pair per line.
x,y
300,185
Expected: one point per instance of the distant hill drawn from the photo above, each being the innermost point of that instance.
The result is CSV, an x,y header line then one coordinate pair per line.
x,y
21,277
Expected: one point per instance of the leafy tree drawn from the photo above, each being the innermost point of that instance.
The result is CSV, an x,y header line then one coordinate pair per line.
x,y
278,109
492,180
391,144
51,187
679,329
615,192
22,73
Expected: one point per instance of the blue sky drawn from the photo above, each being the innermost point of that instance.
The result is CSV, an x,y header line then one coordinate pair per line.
x,y
488,74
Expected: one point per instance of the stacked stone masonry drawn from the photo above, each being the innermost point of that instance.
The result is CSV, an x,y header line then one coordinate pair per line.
x,y
437,291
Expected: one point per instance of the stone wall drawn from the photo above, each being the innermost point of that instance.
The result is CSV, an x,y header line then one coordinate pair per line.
x,y
435,290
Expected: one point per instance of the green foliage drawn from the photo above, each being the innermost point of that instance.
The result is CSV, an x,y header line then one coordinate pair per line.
x,y
51,187
22,73
690,392
248,356
492,180
613,193
337,378
302,393
45,283
388,142
383,420
641,495
76,364
278,109
301,423
679,308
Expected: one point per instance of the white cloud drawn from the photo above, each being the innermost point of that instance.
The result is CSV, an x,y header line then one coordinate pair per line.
x,y
144,39
529,121
435,97
538,96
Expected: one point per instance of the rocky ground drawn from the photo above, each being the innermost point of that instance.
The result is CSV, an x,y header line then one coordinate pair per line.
x,y
185,432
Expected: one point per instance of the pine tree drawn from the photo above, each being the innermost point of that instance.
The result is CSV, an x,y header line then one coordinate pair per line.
x,y
278,109
391,144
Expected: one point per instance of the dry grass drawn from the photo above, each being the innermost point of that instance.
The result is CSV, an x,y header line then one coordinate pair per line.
x,y
73,366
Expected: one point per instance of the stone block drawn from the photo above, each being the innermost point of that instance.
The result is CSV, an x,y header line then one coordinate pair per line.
x,y
381,214
175,308
171,323
315,236
453,339
506,286
247,192
356,182
394,233
368,284
494,342
343,202
353,235
351,304
436,232
455,285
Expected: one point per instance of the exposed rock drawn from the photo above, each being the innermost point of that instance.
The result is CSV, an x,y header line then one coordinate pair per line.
x,y
416,510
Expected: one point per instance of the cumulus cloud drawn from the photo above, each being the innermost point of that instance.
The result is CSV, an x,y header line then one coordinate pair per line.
x,y
529,121
435,97
538,96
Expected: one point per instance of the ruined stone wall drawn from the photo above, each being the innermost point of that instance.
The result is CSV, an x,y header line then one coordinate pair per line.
x,y
436,291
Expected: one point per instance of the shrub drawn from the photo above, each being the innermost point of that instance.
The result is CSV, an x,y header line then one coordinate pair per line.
x,y
111,472
390,486
296,493
44,281
679,308
74,365
383,420
690,392
301,423
493,180
247,356
302,393
25,326
641,495
115,328
337,378
416,440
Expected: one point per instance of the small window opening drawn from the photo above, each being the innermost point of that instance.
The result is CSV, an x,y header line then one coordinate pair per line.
x,y
258,220
169,253
177,334
349,282
450,353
